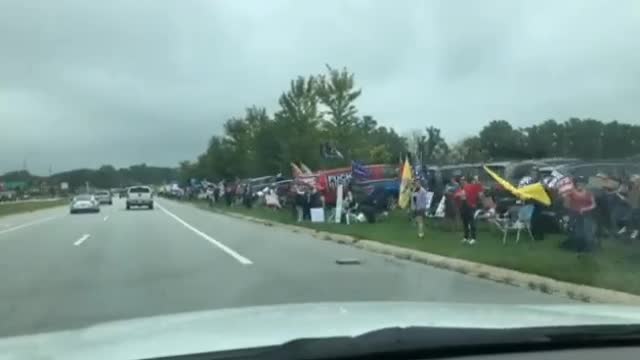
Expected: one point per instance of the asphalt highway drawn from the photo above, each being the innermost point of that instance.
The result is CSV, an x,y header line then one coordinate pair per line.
x,y
60,271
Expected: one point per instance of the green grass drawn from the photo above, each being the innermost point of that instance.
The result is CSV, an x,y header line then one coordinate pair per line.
x,y
11,208
615,266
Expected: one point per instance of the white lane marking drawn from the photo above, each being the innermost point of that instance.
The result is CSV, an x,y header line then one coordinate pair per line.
x,y
241,259
81,240
31,223
106,218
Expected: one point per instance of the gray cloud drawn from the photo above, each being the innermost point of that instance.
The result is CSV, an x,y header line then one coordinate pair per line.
x,y
85,83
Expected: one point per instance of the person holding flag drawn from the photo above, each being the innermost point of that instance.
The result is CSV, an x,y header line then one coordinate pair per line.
x,y
406,180
408,190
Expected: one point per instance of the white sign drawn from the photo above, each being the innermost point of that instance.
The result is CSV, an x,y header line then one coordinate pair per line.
x,y
440,210
429,199
271,199
339,204
64,186
317,215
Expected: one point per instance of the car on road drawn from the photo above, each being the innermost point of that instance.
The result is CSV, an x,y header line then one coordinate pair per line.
x,y
139,196
104,197
84,203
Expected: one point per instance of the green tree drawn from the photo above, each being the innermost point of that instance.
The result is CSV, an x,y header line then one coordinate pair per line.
x,y
502,141
336,91
297,123
469,150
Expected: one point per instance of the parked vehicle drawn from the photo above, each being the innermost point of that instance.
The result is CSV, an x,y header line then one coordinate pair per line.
x,y
447,172
327,181
364,190
259,183
8,195
613,169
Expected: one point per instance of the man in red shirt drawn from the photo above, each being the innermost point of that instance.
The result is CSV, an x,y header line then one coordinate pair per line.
x,y
468,197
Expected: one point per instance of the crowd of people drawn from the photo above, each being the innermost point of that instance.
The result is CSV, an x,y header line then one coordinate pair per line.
x,y
584,212
587,212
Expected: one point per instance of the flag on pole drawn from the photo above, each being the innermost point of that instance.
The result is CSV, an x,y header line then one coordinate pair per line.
x,y
534,191
404,199
306,169
295,170
359,170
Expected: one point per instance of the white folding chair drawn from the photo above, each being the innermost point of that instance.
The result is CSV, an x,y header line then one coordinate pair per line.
x,y
515,222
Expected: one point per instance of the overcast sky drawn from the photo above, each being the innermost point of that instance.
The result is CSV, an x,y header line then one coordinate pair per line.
x,y
85,83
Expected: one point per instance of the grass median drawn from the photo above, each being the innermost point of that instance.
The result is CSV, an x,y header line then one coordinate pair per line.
x,y
614,266
10,208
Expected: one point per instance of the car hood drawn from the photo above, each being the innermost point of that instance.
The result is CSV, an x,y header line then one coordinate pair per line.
x,y
240,328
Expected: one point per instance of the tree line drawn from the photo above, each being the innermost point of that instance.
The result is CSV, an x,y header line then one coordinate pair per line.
x,y
104,177
318,124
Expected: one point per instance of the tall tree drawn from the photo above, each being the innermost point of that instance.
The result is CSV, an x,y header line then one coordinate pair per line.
x,y
502,141
469,150
436,148
337,92
297,123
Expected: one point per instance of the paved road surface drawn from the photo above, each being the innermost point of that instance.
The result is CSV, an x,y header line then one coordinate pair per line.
x,y
61,271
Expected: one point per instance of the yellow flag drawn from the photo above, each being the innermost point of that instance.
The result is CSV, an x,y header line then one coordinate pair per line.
x,y
534,191
406,180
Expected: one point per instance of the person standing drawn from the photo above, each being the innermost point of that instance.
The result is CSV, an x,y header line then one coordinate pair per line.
x,y
634,202
450,207
298,202
468,197
537,221
419,206
581,204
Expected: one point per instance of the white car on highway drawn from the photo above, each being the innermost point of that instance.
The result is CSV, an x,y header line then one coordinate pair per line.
x,y
139,196
104,197
84,203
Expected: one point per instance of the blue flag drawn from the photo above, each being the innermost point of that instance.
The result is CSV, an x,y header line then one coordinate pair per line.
x,y
359,170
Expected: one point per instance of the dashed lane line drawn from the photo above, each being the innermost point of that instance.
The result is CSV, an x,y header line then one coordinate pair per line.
x,y
82,239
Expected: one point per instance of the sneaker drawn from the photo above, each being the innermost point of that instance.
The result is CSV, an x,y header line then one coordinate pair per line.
x,y
622,231
465,240
420,236
472,241
634,234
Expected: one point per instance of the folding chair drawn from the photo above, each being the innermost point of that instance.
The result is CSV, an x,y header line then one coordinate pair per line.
x,y
518,219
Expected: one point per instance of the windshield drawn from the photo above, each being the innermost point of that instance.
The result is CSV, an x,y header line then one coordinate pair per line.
x,y
245,157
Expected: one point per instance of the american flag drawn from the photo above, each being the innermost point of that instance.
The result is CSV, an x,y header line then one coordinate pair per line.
x,y
359,170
